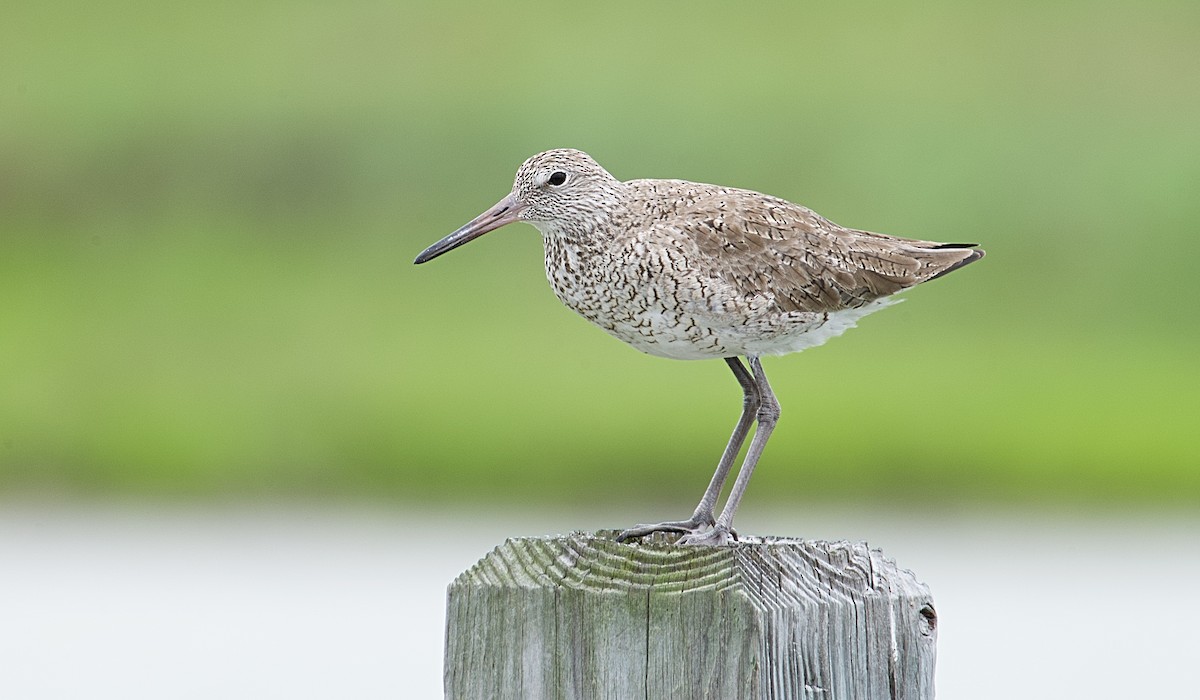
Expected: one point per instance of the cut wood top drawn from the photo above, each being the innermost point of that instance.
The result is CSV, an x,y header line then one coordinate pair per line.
x,y
774,572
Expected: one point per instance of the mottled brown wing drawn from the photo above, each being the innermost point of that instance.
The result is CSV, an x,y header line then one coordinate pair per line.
x,y
763,245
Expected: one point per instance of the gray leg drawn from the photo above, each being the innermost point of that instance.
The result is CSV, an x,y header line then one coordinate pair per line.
x,y
767,416
703,515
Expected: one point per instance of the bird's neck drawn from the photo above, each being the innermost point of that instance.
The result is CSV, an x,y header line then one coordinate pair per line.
x,y
592,229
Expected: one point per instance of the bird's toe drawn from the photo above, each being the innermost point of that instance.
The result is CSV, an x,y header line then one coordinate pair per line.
x,y
684,527
711,537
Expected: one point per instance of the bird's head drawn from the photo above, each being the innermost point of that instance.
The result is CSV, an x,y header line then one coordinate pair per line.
x,y
562,191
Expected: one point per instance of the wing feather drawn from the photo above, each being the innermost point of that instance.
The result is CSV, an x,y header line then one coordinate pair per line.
x,y
766,246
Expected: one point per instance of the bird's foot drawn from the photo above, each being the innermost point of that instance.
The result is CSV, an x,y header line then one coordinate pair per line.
x,y
712,537
702,531
691,525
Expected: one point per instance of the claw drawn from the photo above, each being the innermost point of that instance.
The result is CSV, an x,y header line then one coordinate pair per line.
x,y
639,531
694,530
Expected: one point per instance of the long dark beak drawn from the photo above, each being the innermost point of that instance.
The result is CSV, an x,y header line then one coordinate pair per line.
x,y
505,212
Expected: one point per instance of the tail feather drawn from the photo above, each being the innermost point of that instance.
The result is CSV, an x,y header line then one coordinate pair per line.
x,y
972,256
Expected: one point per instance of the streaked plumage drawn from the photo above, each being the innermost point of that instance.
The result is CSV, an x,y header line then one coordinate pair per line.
x,y
693,271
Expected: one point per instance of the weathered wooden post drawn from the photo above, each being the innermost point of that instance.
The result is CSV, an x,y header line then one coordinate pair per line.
x,y
582,616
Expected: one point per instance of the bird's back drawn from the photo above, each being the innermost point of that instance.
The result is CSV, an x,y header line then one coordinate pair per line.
x,y
804,262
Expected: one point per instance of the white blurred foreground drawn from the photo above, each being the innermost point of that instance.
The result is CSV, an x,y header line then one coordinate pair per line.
x,y
301,601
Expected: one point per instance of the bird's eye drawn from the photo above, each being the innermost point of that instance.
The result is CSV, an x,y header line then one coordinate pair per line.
x,y
557,178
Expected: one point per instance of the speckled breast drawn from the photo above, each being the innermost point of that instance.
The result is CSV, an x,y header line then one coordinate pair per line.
x,y
652,299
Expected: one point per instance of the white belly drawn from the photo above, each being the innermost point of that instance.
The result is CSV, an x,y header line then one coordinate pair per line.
x,y
666,334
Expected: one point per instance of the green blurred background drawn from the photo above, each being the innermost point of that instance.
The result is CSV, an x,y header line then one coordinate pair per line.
x,y
208,214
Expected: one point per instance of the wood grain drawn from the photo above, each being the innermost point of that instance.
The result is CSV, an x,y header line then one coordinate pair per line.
x,y
581,616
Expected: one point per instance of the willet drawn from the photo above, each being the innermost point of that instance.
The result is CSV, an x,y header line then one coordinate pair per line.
x,y
691,271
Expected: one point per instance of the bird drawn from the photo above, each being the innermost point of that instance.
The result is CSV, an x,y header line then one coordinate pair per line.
x,y
693,271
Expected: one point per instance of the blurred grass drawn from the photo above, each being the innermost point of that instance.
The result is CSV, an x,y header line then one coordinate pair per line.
x,y
208,213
